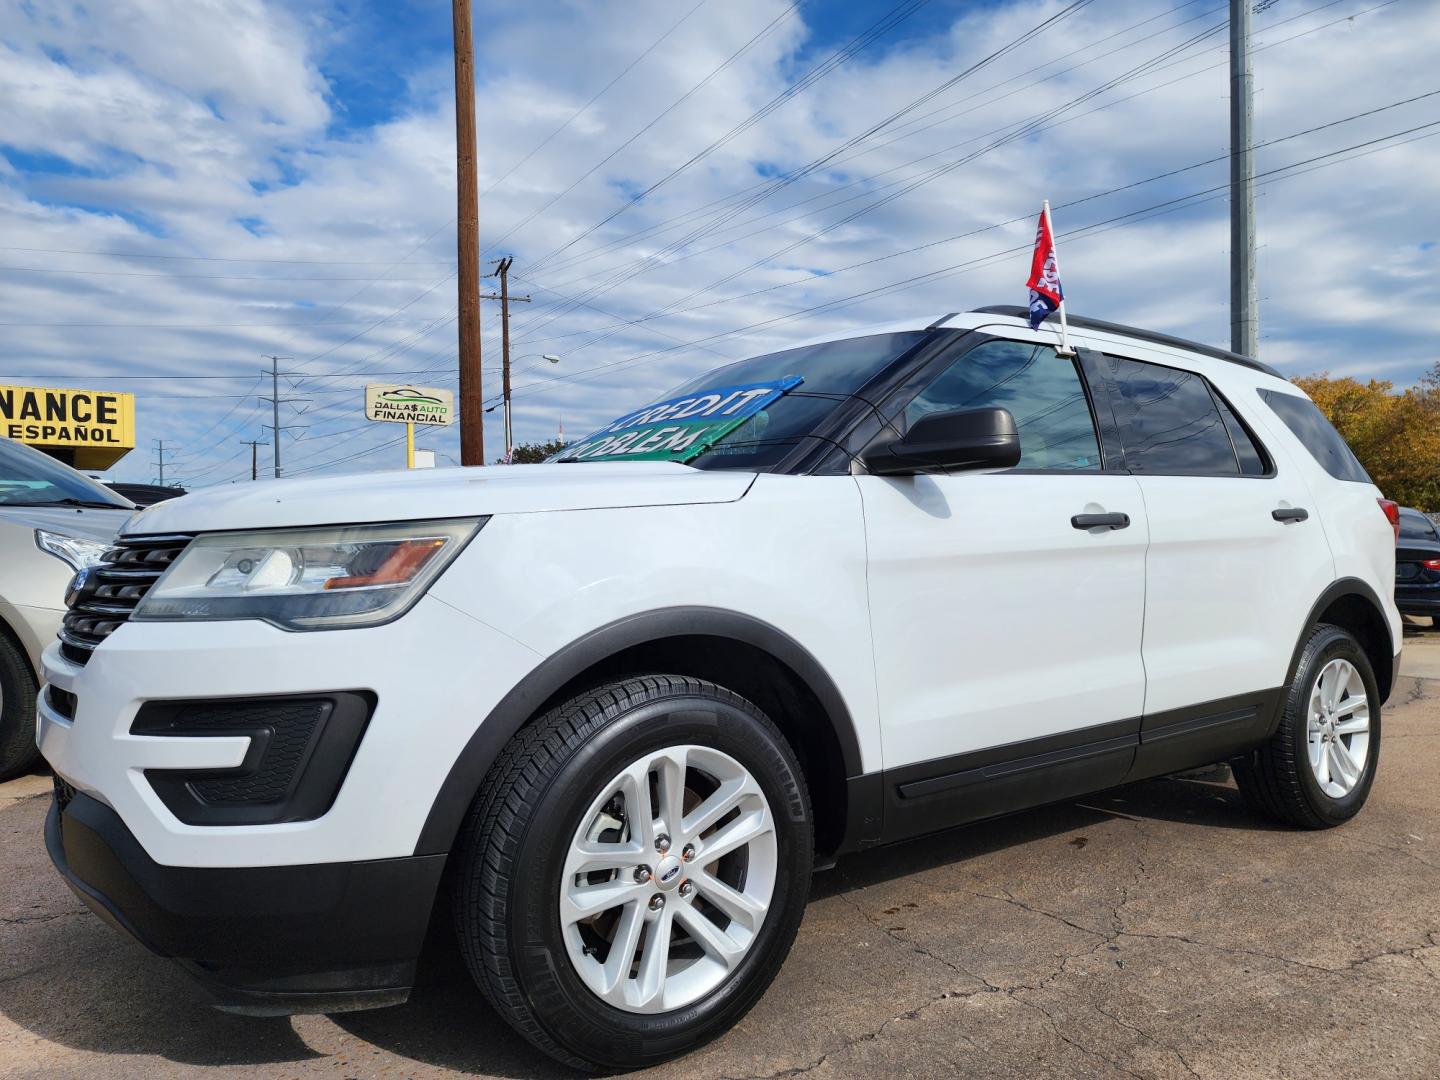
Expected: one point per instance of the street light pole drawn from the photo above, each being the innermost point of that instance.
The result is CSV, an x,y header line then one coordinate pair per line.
x,y
505,397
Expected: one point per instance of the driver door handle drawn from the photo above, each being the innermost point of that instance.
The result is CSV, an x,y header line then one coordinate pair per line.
x,y
1100,521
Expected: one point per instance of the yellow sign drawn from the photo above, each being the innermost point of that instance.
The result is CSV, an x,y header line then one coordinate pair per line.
x,y
87,429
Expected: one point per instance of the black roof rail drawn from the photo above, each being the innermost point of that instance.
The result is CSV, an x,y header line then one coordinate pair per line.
x,y
1018,312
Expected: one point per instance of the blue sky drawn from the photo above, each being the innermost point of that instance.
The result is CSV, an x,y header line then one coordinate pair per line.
x,y
184,189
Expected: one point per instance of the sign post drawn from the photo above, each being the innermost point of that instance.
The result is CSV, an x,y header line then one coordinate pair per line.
x,y
400,403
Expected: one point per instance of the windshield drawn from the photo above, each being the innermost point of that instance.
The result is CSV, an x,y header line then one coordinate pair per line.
x,y
805,386
30,478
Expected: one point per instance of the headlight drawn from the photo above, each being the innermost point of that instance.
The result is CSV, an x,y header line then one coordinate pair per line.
x,y
307,579
75,550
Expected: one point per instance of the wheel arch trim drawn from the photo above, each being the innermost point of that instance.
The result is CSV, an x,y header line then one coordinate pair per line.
x,y
524,700
1338,590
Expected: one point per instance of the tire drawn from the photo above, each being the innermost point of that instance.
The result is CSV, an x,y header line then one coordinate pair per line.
x,y
18,752
513,880
1279,779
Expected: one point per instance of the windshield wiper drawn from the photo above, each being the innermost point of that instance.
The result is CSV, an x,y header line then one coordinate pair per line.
x,y
64,502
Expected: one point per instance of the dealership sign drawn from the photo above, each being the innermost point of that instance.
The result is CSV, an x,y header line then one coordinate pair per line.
x,y
89,429
405,404
680,428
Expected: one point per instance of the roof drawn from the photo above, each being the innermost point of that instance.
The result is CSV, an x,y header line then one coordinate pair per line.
x,y
1120,330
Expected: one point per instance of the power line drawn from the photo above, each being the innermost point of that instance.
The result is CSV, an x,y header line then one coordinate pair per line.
x,y
205,277
791,177
1028,127
1268,177
666,313
672,248
213,258
1015,132
768,29
597,96
741,195
878,29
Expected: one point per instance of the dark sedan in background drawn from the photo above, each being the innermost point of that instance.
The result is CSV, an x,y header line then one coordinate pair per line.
x,y
1417,566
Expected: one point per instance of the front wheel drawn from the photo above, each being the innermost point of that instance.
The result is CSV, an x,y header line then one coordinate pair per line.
x,y
634,872
18,752
1317,769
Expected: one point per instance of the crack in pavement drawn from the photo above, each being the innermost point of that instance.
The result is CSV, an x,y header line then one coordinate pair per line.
x,y
1417,692
870,1036
18,919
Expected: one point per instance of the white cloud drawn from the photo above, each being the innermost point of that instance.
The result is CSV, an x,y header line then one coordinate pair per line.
x,y
213,129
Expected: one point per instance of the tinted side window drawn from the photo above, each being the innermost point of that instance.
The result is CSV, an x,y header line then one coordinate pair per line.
x,y
1168,420
1253,461
1041,389
1308,424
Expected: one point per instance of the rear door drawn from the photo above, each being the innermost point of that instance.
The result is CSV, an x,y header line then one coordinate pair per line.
x,y
1006,632
1237,556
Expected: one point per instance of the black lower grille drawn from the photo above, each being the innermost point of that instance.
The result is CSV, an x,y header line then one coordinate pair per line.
x,y
62,701
104,596
299,752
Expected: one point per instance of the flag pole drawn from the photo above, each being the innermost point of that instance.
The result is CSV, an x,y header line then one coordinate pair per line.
x,y
1065,349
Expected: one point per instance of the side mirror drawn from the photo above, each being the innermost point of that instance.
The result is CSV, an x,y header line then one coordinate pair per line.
x,y
961,439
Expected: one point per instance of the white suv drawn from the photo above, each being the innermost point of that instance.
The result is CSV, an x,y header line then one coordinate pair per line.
x,y
619,706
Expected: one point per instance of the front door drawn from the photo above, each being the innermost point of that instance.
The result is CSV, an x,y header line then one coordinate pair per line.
x,y
1007,627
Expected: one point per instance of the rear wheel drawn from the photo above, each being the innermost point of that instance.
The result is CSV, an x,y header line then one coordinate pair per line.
x,y
634,872
1317,769
18,753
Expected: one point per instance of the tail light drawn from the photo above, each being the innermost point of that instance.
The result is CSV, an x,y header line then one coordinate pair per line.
x,y
1431,564
1392,514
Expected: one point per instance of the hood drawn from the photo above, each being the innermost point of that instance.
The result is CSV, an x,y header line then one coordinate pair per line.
x,y
91,523
413,495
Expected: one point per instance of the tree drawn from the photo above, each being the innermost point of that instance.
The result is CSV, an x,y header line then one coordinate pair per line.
x,y
534,453
1396,436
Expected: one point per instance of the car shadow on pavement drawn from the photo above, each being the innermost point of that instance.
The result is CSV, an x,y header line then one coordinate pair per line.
x,y
70,980
1206,799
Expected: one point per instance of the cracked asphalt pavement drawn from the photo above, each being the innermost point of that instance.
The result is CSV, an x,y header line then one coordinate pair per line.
x,y
1159,930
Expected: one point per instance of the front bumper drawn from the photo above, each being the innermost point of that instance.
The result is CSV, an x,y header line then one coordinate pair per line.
x,y
264,940
433,675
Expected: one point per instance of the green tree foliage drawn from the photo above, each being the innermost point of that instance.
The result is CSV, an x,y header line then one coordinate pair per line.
x,y
534,453
1396,436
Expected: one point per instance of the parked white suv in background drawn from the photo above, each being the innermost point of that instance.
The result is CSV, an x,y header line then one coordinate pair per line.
x,y
53,522
621,704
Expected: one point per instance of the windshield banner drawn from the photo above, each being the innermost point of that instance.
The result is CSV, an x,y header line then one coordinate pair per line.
x,y
681,428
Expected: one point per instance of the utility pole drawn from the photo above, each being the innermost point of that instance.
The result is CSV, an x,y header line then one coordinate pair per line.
x,y
276,401
467,232
160,460
1244,301
502,271
254,445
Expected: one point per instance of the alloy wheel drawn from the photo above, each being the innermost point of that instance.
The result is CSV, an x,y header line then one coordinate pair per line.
x,y
1338,728
668,879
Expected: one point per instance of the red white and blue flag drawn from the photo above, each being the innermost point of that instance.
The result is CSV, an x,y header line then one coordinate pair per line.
x,y
1046,294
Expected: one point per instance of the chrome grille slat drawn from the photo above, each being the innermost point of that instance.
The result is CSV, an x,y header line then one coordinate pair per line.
x,y
116,586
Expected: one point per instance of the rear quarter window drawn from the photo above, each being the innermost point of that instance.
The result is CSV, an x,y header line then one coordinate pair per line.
x,y
1308,424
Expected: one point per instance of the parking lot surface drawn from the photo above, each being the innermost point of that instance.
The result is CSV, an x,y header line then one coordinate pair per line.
x,y
1160,930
